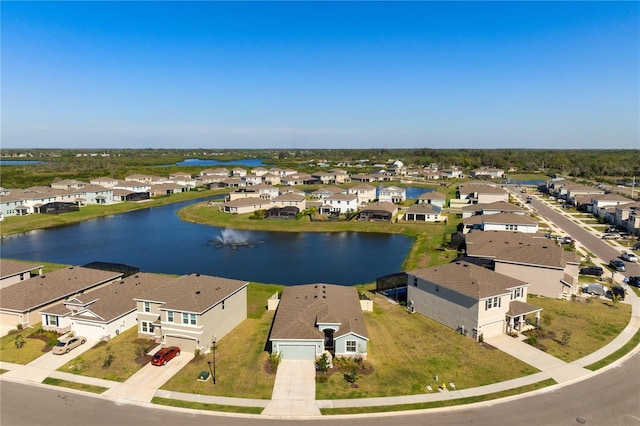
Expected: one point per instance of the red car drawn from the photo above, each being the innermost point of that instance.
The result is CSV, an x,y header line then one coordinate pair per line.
x,y
165,355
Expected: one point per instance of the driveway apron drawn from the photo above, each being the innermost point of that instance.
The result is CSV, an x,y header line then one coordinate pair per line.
x,y
142,386
294,391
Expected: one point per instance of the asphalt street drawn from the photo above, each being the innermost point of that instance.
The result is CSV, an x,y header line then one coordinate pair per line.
x,y
611,398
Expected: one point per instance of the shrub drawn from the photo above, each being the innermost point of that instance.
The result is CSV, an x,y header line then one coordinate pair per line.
x,y
274,360
19,341
322,363
532,340
109,357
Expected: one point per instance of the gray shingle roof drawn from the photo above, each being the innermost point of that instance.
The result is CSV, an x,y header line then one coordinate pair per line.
x,y
13,267
468,279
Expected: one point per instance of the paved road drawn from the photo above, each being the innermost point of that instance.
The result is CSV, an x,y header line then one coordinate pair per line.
x,y
611,398
596,245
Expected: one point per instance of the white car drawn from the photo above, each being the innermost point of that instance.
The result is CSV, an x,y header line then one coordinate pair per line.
x,y
629,257
64,346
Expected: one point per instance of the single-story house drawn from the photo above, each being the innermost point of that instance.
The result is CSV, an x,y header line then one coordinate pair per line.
x,y
549,269
470,299
378,211
314,318
245,205
22,303
105,312
14,272
192,311
421,212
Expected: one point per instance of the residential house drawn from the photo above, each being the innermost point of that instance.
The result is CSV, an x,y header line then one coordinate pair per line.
x,y
192,311
262,191
549,269
380,210
103,313
599,203
482,194
392,194
492,208
68,184
14,272
488,172
289,199
421,212
474,301
313,318
252,179
295,179
451,173
271,179
339,204
366,193
628,217
501,222
238,172
327,191
245,205
435,198
94,194
167,189
22,303
106,182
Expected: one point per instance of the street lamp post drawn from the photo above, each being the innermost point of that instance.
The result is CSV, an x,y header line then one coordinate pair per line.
x,y
214,360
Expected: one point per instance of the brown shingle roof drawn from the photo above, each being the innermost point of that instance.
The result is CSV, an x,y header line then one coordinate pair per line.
x,y
517,247
56,285
303,306
468,279
193,293
13,267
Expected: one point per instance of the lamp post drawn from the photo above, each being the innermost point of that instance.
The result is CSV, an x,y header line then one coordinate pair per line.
x,y
214,360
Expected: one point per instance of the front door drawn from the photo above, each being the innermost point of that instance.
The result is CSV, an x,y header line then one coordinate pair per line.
x,y
328,339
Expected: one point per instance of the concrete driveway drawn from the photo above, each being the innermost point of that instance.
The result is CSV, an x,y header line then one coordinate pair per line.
x,y
142,386
294,391
41,367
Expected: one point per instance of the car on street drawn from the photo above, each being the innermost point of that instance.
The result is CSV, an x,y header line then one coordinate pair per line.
x,y
629,257
592,270
634,281
617,265
165,355
64,346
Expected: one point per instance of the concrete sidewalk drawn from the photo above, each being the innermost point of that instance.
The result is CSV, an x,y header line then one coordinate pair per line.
x,y
294,391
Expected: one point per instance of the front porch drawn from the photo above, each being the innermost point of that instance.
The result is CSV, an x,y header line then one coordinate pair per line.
x,y
522,317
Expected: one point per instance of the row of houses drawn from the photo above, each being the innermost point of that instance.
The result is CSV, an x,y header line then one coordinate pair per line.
x,y
612,208
190,311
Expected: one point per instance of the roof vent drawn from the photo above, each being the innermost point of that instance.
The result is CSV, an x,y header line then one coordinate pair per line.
x,y
197,275
197,291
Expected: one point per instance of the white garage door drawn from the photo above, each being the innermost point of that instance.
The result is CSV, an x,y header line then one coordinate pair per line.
x,y
90,331
298,352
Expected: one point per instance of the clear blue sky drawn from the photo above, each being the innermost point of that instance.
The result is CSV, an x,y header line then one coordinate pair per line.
x,y
320,75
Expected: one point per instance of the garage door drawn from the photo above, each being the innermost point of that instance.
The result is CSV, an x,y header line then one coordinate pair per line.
x,y
90,331
298,352
185,344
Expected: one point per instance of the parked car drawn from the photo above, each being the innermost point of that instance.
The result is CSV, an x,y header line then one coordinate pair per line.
x,y
565,240
629,257
634,281
64,346
617,265
592,270
165,355
611,236
616,290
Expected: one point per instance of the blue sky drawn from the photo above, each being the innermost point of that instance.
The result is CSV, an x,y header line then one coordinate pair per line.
x,y
320,74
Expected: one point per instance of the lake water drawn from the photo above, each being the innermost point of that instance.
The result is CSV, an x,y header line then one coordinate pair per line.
x,y
20,162
157,240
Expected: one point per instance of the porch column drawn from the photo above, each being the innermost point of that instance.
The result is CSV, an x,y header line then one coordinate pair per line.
x,y
537,318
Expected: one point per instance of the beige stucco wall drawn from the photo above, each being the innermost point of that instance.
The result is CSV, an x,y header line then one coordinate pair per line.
x,y
543,281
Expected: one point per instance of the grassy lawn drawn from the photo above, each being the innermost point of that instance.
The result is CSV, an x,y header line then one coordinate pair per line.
x,y
128,352
35,345
438,404
407,350
628,347
203,406
240,356
74,385
591,325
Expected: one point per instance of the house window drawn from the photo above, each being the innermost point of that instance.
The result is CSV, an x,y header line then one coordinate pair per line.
x,y
146,327
146,307
517,292
188,318
415,282
351,345
169,316
492,303
52,320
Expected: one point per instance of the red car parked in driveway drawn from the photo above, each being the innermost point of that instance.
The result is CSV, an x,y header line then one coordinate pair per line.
x,y
165,355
